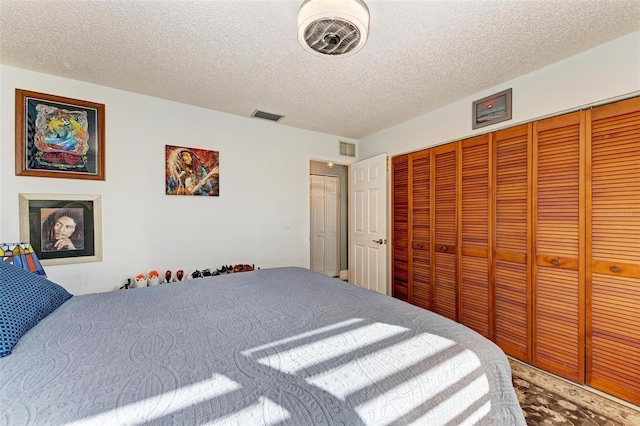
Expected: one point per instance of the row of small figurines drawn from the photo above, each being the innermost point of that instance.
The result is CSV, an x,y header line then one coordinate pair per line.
x,y
153,277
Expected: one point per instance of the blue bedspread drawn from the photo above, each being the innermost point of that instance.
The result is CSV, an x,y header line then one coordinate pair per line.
x,y
270,347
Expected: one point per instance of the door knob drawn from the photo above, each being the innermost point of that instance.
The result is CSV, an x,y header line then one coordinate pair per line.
x,y
378,241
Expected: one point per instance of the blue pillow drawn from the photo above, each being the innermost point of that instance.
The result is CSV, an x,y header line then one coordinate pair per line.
x,y
25,299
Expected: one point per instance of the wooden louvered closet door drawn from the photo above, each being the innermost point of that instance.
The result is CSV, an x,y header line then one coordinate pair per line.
x,y
420,229
400,227
613,250
559,223
444,224
474,301
511,222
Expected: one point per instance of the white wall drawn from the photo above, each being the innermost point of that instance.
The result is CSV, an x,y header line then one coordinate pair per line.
x,y
261,216
606,72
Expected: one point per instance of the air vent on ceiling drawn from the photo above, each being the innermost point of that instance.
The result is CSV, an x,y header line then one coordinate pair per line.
x,y
348,149
333,27
267,116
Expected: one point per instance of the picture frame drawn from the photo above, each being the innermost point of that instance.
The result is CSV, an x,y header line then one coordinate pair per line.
x,y
62,228
492,109
59,137
192,171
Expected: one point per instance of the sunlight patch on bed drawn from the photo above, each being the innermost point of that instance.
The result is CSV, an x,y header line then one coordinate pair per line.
x,y
410,395
180,398
301,336
376,366
463,399
254,414
296,359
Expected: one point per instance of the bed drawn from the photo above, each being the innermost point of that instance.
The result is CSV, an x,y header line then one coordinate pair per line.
x,y
269,347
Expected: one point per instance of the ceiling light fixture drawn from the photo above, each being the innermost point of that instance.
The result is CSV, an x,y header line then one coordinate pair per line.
x,y
333,27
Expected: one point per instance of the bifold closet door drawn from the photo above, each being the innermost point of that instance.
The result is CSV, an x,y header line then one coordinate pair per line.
x,y
420,229
475,204
613,250
325,224
559,243
400,227
444,225
511,233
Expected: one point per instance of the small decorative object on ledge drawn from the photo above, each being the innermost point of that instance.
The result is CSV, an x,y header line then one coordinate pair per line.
x,y
243,268
141,281
153,278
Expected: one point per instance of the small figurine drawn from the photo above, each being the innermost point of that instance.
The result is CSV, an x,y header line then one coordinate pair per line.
x,y
180,274
153,278
167,276
141,280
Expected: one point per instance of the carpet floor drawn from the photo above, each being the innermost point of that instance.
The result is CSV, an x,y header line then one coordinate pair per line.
x,y
548,400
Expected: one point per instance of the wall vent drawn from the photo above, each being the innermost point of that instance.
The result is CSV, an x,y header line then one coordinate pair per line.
x,y
348,149
267,115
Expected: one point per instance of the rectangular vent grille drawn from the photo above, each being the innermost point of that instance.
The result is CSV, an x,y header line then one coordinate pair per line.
x,y
267,116
348,149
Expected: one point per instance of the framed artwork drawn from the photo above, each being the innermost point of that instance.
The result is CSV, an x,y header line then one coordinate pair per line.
x,y
191,171
492,109
62,228
59,137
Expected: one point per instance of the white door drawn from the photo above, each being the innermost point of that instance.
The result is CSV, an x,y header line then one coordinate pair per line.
x,y
368,223
325,224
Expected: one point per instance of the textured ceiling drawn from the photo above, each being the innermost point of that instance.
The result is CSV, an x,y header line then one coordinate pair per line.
x,y
237,56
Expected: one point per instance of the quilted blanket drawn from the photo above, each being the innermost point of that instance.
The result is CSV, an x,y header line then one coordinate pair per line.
x,y
270,347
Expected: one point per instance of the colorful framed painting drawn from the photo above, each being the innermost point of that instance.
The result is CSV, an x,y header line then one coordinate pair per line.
x,y
492,109
62,228
191,171
59,137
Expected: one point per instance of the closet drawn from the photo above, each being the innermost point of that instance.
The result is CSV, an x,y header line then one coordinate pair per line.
x,y
411,219
613,249
475,301
420,230
512,231
400,228
424,217
325,224
558,245
444,225
531,236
